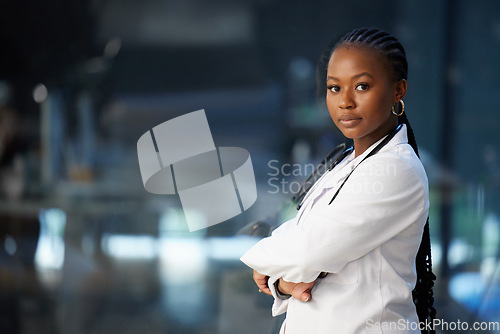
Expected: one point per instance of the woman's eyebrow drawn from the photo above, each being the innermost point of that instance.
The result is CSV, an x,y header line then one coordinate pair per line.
x,y
363,74
354,77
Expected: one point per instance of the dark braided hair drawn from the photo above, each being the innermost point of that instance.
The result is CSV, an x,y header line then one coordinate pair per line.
x,y
391,49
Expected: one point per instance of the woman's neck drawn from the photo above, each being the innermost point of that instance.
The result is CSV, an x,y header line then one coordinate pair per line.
x,y
362,144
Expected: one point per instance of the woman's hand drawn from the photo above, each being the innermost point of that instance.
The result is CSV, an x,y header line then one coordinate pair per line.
x,y
299,291
261,281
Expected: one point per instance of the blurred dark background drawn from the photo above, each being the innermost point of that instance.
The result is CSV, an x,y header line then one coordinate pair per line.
x,y
85,249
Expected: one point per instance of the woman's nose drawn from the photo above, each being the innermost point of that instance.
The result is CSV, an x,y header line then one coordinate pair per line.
x,y
346,101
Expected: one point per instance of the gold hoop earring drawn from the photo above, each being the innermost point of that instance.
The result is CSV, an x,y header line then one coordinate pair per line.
x,y
402,108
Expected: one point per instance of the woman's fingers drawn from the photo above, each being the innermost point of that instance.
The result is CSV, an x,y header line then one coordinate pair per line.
x,y
261,281
302,291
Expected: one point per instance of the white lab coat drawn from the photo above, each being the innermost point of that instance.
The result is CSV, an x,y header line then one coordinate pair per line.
x,y
366,239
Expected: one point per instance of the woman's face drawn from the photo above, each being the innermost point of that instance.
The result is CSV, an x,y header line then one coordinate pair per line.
x,y
361,93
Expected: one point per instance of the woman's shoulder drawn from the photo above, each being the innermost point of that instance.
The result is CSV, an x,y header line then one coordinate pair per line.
x,y
399,161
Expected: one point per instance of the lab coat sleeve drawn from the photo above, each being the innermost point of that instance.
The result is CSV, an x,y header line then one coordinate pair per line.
x,y
280,306
284,227
384,196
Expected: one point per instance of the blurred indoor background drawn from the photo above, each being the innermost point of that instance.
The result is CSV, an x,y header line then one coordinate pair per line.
x,y
85,249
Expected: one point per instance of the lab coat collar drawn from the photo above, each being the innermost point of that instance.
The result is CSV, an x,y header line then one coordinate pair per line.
x,y
350,162
401,137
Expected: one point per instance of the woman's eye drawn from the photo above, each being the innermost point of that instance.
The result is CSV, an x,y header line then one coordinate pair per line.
x,y
362,87
334,89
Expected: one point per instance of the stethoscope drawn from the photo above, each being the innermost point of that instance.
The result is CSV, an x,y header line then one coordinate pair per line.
x,y
339,153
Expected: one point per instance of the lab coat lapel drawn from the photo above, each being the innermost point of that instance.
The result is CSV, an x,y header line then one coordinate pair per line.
x,y
350,163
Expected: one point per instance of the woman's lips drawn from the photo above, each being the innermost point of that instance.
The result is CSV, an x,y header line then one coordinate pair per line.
x,y
349,121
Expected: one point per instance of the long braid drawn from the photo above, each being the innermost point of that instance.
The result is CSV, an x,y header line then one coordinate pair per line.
x,y
389,46
423,295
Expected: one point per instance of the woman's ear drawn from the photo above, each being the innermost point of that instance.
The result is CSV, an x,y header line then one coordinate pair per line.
x,y
400,90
